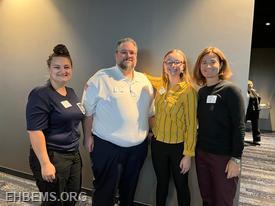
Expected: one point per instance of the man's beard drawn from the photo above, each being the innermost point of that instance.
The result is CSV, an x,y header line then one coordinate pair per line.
x,y
126,66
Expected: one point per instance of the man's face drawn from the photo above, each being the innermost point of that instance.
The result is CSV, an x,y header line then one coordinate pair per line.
x,y
126,56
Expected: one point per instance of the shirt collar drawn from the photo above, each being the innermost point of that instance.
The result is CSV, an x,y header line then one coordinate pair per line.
x,y
122,77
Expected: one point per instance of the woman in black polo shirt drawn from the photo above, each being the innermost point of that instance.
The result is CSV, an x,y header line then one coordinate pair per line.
x,y
53,115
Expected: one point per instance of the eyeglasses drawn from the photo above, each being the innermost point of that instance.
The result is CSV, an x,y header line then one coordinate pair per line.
x,y
176,63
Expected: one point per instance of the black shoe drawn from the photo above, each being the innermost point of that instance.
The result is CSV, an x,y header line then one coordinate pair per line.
x,y
256,143
249,143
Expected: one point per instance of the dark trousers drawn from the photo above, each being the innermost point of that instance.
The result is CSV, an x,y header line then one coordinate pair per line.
x,y
65,189
253,116
166,158
215,188
114,166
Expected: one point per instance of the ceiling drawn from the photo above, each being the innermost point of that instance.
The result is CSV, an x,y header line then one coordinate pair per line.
x,y
263,36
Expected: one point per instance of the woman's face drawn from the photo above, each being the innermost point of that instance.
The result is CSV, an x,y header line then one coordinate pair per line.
x,y
250,85
60,70
210,66
174,65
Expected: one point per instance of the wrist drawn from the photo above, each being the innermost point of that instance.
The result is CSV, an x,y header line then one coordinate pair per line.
x,y
236,160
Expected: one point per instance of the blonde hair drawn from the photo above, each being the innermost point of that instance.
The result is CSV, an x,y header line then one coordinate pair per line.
x,y
185,76
249,82
224,73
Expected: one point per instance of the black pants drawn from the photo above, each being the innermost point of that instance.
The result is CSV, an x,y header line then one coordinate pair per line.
x,y
254,117
111,163
65,189
166,158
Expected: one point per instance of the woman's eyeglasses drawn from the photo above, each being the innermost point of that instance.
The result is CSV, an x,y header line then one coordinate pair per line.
x,y
176,63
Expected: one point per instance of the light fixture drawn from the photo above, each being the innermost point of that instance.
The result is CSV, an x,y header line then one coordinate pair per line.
x,y
267,23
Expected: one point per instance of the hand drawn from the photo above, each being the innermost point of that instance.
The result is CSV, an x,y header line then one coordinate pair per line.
x,y
89,143
48,172
232,169
185,164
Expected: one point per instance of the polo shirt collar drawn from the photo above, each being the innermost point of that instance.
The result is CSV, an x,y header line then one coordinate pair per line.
x,y
122,77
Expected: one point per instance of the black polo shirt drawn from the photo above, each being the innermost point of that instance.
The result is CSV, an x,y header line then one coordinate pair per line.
x,y
56,115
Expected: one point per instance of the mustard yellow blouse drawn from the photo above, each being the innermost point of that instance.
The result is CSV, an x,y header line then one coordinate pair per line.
x,y
175,114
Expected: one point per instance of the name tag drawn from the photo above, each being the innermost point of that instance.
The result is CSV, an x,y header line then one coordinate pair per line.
x,y
211,99
118,90
66,104
80,106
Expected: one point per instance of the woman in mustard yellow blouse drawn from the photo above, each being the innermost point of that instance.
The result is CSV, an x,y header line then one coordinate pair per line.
x,y
174,127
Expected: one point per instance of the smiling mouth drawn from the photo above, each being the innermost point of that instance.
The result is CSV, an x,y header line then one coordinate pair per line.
x,y
173,71
128,60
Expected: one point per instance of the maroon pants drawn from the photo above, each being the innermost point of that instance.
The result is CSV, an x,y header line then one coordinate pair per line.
x,y
215,188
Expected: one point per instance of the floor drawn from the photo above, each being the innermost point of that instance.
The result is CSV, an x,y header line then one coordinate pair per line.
x,y
257,178
258,173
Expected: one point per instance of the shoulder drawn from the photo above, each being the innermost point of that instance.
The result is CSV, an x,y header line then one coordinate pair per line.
x,y
187,90
230,88
100,74
142,77
40,96
189,87
232,92
40,92
202,89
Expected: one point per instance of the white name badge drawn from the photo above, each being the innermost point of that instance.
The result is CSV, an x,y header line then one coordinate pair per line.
x,y
118,90
162,91
66,104
211,99
80,106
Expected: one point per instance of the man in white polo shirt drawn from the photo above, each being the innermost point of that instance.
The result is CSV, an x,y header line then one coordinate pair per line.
x,y
118,104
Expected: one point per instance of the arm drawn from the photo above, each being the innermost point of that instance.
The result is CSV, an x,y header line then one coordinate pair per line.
x,y
38,143
236,110
90,98
155,81
37,116
190,103
87,131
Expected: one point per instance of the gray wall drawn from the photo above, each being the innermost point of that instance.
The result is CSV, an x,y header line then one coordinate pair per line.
x,y
90,28
262,73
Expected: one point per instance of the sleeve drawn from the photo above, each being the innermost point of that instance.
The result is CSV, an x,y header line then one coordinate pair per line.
x,y
190,105
237,116
37,110
155,81
152,103
90,96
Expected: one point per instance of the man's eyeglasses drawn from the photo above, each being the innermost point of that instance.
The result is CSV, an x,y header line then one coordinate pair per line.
x,y
176,63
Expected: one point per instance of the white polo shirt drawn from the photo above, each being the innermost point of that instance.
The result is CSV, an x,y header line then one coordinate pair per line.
x,y
120,107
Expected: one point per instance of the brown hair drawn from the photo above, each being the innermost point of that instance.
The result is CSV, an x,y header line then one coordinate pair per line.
x,y
224,73
185,76
59,50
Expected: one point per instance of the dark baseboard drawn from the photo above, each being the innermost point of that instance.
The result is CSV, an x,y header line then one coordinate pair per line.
x,y
16,173
28,176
